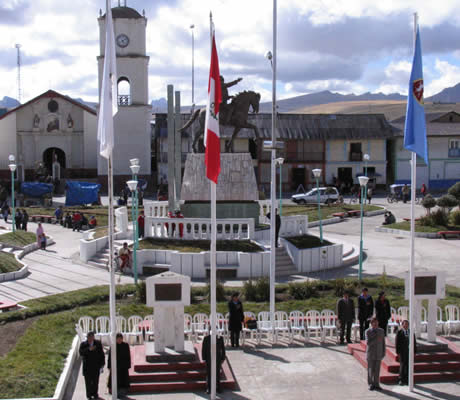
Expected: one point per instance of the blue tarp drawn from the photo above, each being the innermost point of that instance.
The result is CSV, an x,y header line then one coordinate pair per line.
x,y
81,193
36,189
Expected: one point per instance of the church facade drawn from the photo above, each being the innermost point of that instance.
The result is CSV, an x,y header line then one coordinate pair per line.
x,y
53,130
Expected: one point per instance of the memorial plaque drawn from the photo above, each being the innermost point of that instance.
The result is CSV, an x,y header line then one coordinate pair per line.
x,y
168,292
425,285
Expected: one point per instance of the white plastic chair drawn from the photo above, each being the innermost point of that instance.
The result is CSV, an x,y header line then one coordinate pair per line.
x,y
329,324
81,335
355,327
102,328
393,322
298,325
264,325
282,325
135,328
222,326
200,325
149,326
121,325
252,333
188,326
452,318
86,324
403,314
313,323
440,323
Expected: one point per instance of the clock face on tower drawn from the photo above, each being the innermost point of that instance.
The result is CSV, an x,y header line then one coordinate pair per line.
x,y
122,40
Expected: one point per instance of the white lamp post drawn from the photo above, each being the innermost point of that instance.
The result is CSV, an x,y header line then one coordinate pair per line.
x,y
362,182
366,158
12,166
135,167
317,175
192,26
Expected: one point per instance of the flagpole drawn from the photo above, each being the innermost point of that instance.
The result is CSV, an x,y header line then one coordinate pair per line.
x,y
412,253
113,322
213,270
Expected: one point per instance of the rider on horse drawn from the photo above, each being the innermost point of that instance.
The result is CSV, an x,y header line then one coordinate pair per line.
x,y
225,109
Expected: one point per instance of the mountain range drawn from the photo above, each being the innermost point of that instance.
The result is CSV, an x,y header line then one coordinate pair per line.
x,y
447,95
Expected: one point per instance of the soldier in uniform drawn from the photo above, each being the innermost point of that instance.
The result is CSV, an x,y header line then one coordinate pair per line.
x,y
225,110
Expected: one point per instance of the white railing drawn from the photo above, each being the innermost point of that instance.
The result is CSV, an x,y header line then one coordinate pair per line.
x,y
294,225
199,228
155,208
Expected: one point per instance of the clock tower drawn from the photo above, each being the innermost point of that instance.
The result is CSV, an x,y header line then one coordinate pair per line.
x,y
132,131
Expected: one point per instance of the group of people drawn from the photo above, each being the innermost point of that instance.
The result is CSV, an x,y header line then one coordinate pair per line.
x,y
21,217
93,357
373,321
76,220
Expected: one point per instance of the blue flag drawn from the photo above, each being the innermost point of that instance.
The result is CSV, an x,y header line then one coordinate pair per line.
x,y
415,128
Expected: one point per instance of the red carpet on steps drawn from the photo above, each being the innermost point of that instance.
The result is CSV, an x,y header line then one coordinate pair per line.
x,y
173,376
428,367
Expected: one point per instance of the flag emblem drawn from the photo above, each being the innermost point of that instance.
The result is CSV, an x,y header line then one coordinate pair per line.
x,y
417,90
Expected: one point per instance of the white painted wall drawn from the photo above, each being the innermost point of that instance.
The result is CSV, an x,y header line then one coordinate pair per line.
x,y
7,139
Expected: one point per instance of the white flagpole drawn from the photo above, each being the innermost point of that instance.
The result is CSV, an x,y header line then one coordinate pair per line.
x,y
412,254
213,270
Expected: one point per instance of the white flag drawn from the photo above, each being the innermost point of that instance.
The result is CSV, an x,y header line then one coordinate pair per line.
x,y
108,106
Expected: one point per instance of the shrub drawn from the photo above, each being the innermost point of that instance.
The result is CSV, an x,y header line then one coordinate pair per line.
x,y
447,202
258,291
454,190
455,217
249,291
141,292
220,292
426,220
341,285
302,290
440,218
428,203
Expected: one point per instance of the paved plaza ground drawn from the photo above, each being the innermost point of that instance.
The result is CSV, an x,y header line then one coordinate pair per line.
x,y
297,372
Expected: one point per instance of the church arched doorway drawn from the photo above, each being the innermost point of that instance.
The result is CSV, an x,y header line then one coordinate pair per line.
x,y
50,157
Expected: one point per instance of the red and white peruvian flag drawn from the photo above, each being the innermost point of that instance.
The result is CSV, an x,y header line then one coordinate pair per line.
x,y
211,128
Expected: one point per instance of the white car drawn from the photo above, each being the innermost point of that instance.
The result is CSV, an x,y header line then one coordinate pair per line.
x,y
327,195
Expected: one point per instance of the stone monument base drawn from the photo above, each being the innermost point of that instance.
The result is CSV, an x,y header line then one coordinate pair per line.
x,y
170,355
224,209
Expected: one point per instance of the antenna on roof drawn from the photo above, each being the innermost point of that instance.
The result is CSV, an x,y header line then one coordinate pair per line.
x,y
18,47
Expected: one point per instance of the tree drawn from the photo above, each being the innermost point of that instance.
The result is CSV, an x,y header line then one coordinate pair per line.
x,y
428,203
454,190
447,202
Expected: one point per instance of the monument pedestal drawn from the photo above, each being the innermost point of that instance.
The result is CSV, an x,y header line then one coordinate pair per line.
x,y
169,354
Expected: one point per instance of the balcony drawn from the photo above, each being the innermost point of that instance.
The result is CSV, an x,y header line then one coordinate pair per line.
x,y
124,100
454,153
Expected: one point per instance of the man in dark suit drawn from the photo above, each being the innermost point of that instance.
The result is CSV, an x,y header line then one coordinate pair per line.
x,y
402,349
92,354
206,356
277,226
345,315
365,311
375,353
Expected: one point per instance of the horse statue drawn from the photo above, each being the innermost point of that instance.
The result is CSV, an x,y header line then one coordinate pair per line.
x,y
234,114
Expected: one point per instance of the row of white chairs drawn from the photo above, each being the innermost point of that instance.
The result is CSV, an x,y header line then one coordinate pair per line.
x,y
321,324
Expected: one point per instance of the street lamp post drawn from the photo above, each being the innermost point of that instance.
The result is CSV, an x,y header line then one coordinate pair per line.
x,y
133,186
12,167
362,182
317,175
366,157
193,66
280,162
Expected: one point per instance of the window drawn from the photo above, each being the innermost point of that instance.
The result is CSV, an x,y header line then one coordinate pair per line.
x,y
356,153
454,148
124,92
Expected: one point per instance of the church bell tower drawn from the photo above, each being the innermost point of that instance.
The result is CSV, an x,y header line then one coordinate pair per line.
x,y
132,131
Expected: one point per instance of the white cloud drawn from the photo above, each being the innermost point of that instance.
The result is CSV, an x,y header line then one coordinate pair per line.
x,y
448,75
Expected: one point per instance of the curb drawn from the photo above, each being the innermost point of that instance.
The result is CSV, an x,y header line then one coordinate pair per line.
x,y
427,235
376,212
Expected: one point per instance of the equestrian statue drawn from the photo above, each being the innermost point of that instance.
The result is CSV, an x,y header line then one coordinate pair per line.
x,y
234,114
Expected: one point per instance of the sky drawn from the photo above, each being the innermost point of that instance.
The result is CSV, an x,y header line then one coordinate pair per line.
x,y
346,46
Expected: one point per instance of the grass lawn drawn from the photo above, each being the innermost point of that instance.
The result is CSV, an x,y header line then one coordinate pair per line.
x,y
32,368
8,263
405,226
18,238
196,246
326,211
307,241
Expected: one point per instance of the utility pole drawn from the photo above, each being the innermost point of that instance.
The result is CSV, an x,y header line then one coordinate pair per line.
x,y
18,51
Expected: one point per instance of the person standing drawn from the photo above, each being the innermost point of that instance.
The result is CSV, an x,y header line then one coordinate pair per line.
x,y
375,352
345,315
123,366
369,194
5,211
140,224
58,214
405,193
93,358
365,311
38,233
423,190
277,226
206,356
25,219
18,219
402,349
236,319
382,311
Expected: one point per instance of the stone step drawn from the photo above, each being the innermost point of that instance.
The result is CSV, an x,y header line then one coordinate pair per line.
x,y
97,264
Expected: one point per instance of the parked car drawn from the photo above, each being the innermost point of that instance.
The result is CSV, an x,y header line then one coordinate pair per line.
x,y
327,195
